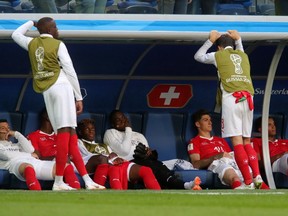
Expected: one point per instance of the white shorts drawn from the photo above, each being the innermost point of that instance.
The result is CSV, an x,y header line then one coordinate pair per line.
x,y
43,169
237,119
60,104
281,165
221,165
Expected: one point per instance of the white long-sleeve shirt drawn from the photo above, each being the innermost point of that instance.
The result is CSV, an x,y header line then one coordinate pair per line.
x,y
124,143
67,71
10,151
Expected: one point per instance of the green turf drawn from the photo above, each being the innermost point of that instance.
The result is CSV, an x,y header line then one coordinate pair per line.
x,y
144,202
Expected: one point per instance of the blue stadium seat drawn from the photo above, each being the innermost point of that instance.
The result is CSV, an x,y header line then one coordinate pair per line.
x,y
232,9
16,6
164,133
6,7
4,179
189,131
109,3
136,121
31,122
137,7
245,3
14,119
266,9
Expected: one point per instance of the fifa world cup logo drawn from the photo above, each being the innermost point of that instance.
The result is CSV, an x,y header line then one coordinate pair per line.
x,y
39,54
236,59
100,150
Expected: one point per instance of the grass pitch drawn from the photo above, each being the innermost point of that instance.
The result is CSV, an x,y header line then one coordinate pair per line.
x,y
144,202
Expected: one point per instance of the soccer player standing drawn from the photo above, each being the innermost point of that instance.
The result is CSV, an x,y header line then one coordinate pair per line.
x,y
55,78
235,94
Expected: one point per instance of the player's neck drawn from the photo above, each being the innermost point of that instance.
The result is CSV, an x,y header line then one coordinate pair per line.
x,y
46,130
272,138
204,134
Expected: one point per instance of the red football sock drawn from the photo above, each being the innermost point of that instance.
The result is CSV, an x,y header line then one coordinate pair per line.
x,y
236,184
70,177
114,173
149,179
62,142
31,180
253,159
241,159
76,156
100,175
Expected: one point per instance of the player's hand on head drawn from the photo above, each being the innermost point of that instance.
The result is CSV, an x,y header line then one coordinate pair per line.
x,y
35,23
214,35
234,34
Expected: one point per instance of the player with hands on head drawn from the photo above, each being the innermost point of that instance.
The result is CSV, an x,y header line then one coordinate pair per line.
x,y
55,78
235,97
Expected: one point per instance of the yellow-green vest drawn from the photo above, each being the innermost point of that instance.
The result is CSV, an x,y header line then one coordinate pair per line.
x,y
43,54
234,72
96,148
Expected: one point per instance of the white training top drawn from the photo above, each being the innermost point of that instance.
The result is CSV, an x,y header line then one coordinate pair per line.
x,y
14,151
124,143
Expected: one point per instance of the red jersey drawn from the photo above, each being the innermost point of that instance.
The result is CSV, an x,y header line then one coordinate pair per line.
x,y
279,146
43,142
208,147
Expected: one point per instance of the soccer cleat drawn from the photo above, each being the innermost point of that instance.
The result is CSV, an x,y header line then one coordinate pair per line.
x,y
250,186
258,181
264,186
196,183
62,187
241,187
244,186
93,186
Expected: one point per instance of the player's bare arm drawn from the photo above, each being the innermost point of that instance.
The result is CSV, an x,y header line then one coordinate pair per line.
x,y
222,154
200,164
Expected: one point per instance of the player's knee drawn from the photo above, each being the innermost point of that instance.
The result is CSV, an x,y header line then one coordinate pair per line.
x,y
145,171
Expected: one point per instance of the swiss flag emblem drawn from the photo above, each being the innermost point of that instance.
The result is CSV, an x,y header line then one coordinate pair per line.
x,y
169,96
